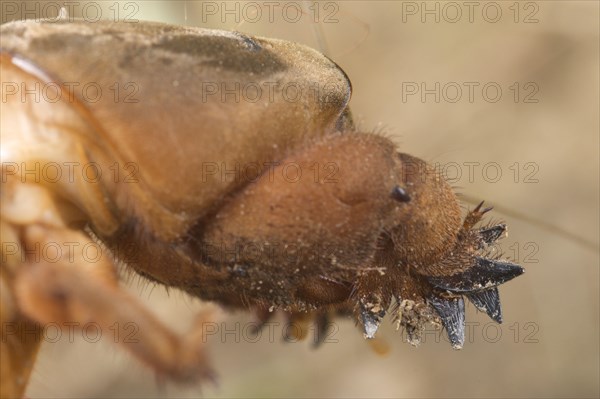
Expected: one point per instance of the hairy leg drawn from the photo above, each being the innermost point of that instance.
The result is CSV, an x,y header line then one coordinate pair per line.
x,y
76,290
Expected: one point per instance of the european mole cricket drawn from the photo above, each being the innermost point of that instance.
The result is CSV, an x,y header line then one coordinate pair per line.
x,y
340,222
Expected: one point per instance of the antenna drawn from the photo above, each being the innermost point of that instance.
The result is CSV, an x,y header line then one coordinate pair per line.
x,y
317,29
542,224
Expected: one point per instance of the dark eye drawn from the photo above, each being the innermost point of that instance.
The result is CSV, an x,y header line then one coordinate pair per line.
x,y
400,194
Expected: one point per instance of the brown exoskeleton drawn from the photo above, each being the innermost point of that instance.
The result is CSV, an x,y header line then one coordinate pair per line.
x,y
264,204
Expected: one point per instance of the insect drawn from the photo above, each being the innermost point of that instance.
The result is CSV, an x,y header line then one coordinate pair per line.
x,y
275,203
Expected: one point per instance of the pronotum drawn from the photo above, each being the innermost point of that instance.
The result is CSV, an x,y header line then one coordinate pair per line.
x,y
270,204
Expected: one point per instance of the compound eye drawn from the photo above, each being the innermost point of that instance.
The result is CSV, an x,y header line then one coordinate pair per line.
x,y
400,194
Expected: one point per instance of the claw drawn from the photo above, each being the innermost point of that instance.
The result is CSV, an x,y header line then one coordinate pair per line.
x,y
452,314
490,235
478,207
486,210
371,316
474,217
485,273
488,301
322,326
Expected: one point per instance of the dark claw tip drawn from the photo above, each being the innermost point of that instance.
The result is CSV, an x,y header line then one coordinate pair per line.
x,y
478,207
322,326
490,235
452,314
484,274
371,318
488,301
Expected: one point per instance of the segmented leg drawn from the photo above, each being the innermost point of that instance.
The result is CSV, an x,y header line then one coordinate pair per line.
x,y
19,344
20,336
78,291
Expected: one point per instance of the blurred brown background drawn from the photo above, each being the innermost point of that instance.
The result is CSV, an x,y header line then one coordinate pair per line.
x,y
548,345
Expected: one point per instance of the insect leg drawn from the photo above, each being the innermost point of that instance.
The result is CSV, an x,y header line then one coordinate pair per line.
x,y
20,341
78,291
373,303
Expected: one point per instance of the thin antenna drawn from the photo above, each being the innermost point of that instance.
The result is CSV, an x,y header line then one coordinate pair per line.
x,y
542,224
185,17
317,29
243,21
366,33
